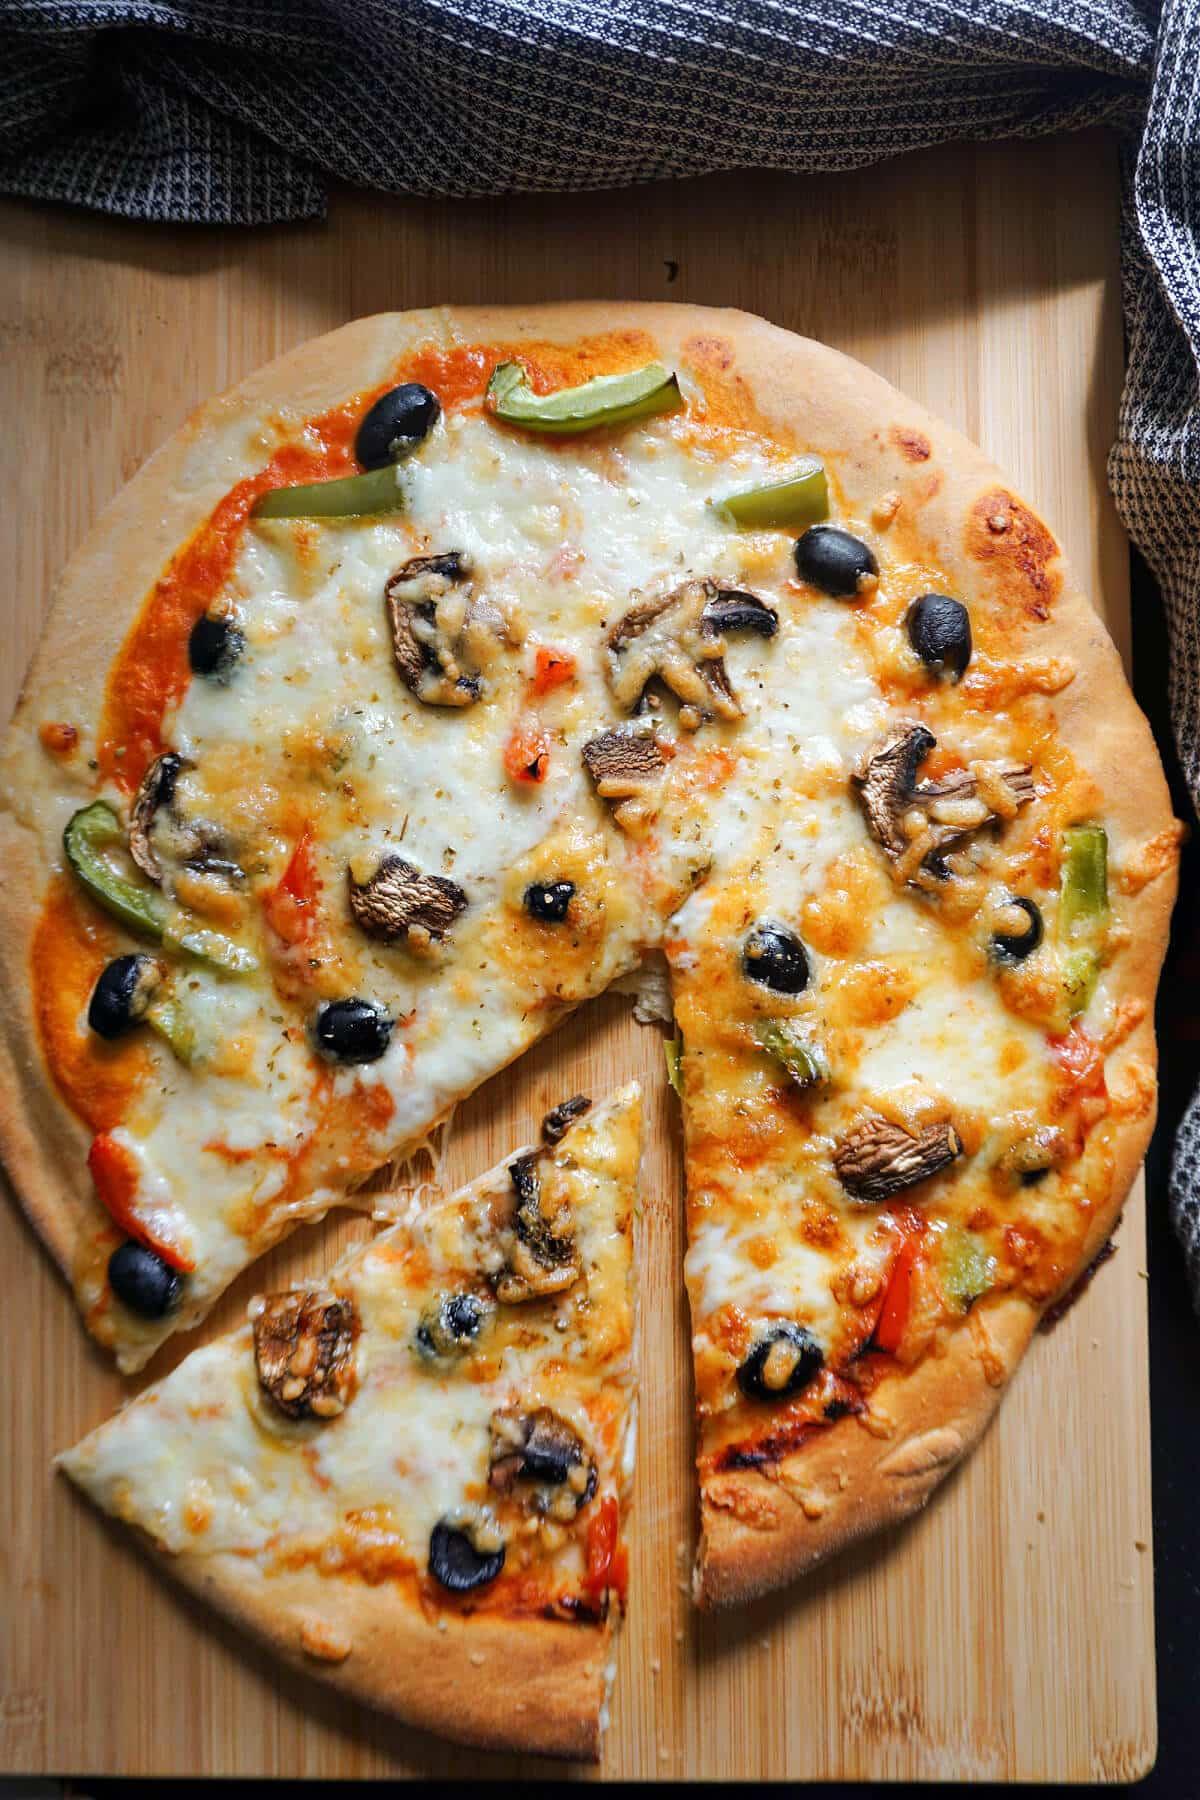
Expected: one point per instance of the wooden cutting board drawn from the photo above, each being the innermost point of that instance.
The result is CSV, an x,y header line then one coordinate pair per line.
x,y
1007,1633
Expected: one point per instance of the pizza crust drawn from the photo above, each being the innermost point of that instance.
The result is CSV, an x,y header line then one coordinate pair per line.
x,y
523,1685
759,1530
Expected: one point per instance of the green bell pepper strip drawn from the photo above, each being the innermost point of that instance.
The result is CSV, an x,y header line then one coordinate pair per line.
x,y
673,1051
169,1018
798,1055
132,900
211,947
378,491
965,1269
606,400
1082,911
798,502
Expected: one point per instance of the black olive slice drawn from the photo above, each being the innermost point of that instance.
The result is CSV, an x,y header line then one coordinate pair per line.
x,y
784,1360
452,1324
1018,929
775,957
840,565
939,630
549,900
214,647
122,995
456,1564
396,424
142,1281
352,1031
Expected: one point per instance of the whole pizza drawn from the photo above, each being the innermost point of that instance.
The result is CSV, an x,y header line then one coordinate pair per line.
x,y
449,670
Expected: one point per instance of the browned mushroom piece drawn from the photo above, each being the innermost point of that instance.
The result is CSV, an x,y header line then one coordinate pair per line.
x,y
156,790
559,1120
159,834
304,1349
442,631
399,902
878,1159
918,824
539,1249
541,1462
626,767
680,639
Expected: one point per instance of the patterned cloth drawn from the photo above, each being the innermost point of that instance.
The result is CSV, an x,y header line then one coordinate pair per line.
x,y
238,111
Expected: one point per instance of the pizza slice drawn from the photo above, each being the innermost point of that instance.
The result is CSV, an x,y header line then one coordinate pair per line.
x,y
912,1053
412,1478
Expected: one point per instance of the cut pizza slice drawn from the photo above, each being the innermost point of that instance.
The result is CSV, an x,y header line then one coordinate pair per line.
x,y
902,1111
412,1478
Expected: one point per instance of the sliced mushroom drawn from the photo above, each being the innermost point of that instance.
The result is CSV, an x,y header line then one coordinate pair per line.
x,y
158,830
626,767
680,638
399,902
304,1350
157,789
878,1159
442,632
559,1120
918,823
540,1256
540,1462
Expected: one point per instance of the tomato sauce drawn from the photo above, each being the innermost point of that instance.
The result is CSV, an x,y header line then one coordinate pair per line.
x,y
71,945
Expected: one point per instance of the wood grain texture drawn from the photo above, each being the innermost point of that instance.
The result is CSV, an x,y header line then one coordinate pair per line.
x,y
1006,1633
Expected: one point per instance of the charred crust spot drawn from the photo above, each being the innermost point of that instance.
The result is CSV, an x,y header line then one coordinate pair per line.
x,y
560,1118
914,446
1003,535
768,1451
304,1352
1076,1291
878,1159
399,902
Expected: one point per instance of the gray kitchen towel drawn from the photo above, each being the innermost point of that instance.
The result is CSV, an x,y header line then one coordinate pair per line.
x,y
239,111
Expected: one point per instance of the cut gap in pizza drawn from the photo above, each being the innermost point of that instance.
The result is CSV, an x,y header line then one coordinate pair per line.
x,y
412,1477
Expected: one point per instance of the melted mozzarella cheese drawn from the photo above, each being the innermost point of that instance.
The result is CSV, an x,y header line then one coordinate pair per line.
x,y
202,1460
757,818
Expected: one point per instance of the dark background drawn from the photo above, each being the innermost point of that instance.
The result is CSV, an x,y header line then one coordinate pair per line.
x,y
1174,1348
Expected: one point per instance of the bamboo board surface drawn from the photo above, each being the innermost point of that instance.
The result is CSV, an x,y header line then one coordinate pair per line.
x,y
1008,1631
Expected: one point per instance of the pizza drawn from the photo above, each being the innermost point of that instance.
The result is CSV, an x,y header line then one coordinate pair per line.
x,y
463,664
411,1478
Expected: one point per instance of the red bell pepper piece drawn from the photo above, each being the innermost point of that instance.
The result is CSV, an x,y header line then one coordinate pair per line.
x,y
527,754
601,1549
291,905
114,1170
552,668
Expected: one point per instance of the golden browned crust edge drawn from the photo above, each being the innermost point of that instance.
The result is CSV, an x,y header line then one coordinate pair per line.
x,y
520,1684
759,1530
